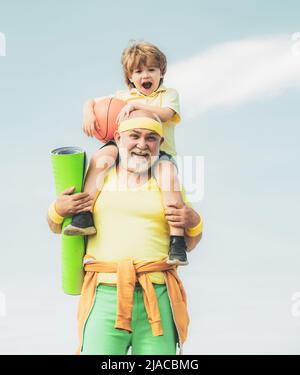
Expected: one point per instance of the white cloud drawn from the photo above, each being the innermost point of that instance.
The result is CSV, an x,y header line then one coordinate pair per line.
x,y
235,72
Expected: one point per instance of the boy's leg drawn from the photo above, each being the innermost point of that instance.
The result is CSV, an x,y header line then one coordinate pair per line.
x,y
100,337
101,161
143,342
166,176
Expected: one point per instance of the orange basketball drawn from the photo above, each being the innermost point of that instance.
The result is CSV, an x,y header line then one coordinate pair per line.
x,y
106,112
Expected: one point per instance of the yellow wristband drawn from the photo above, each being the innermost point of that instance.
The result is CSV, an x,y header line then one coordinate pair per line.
x,y
195,231
57,219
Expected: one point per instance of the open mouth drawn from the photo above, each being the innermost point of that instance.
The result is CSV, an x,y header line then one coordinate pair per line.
x,y
147,85
144,156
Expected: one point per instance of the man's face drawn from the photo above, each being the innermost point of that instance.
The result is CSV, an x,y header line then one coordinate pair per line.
x,y
138,149
146,79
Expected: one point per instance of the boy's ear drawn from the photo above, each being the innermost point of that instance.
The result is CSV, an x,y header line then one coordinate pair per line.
x,y
117,137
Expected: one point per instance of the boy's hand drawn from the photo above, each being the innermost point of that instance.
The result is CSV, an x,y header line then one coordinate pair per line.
x,y
89,119
89,123
125,112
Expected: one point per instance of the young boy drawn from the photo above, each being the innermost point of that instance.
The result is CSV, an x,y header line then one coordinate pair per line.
x,y
144,67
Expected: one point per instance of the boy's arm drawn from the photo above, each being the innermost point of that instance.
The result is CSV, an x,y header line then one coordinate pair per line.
x,y
89,118
169,108
165,114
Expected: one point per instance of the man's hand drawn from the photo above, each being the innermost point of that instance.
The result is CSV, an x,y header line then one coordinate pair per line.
x,y
68,204
89,119
184,217
125,112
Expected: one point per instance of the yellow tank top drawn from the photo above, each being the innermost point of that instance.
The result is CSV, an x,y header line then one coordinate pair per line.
x,y
130,224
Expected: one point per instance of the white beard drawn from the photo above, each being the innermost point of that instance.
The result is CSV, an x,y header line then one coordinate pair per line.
x,y
134,163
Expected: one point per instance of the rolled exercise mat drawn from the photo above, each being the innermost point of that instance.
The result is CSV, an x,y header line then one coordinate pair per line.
x,y
69,168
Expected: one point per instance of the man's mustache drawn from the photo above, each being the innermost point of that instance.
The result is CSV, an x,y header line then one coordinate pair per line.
x,y
140,153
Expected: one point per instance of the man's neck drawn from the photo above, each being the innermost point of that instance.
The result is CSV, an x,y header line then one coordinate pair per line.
x,y
132,179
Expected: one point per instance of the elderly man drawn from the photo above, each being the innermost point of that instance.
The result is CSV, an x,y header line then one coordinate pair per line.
x,y
131,297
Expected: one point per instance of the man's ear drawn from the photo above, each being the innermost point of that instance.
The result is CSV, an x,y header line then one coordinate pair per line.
x,y
161,140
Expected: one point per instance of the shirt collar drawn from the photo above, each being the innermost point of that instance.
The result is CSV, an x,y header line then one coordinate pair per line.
x,y
161,88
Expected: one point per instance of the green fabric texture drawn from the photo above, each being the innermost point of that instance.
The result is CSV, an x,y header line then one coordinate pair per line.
x,y
68,165
101,338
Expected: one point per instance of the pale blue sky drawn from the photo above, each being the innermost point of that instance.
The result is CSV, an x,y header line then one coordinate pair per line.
x,y
242,276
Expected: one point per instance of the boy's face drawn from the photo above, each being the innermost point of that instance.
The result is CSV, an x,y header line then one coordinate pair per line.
x,y
146,79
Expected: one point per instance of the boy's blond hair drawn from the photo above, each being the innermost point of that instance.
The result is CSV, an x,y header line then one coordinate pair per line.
x,y
142,53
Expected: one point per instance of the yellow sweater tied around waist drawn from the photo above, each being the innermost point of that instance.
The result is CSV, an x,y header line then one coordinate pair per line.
x,y
127,276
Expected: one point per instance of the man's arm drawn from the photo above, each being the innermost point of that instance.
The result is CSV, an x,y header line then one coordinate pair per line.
x,y
192,242
67,204
55,228
192,229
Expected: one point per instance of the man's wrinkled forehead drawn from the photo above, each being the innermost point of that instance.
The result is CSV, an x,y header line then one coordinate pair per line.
x,y
140,132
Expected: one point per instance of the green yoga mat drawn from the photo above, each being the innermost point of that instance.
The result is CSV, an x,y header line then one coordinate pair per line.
x,y
69,168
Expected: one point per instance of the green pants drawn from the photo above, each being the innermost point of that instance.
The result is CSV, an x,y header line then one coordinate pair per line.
x,y
100,336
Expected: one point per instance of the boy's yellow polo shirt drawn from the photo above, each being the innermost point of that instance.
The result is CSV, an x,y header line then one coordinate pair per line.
x,y
130,224
164,98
